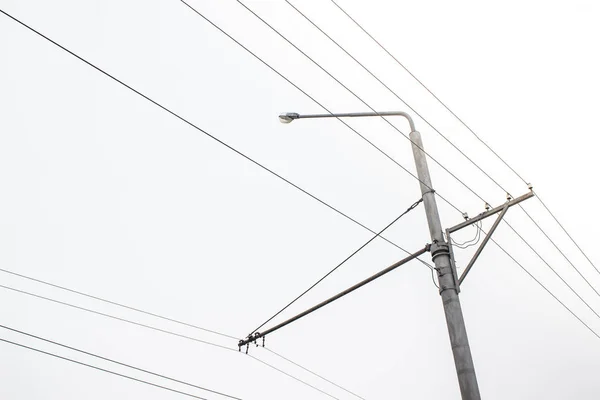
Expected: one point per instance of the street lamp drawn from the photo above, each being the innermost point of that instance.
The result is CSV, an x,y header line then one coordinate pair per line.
x,y
289,117
440,253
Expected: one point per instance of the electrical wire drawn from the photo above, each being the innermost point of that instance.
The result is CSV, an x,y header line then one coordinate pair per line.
x,y
366,104
292,376
567,233
116,362
152,328
102,369
409,209
545,288
552,269
559,250
397,96
312,372
426,88
210,135
115,303
470,130
471,242
116,318
372,109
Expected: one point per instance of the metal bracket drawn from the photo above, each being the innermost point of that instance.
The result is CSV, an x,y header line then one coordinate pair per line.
x,y
453,263
443,248
484,242
489,213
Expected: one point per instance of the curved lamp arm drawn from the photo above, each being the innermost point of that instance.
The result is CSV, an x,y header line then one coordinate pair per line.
x,y
289,117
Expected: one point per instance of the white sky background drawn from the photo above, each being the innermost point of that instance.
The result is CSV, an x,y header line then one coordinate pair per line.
x,y
105,193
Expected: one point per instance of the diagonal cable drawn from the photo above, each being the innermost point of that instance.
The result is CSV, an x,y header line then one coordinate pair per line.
x,y
115,362
292,376
552,269
362,101
317,102
470,130
559,250
397,96
115,303
409,209
313,373
101,369
238,152
64,303
545,288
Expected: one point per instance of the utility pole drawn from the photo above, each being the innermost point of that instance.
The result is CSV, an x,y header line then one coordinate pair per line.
x,y
441,253
447,279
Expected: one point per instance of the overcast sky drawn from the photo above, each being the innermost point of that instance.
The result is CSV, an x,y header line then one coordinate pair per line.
x,y
105,193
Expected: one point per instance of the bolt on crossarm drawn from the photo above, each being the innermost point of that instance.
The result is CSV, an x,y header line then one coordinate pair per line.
x,y
440,251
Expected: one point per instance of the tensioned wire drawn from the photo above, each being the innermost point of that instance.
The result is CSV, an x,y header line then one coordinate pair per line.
x,y
478,137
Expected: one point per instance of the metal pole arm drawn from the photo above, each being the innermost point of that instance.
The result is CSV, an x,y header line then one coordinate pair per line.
x,y
257,335
289,117
491,212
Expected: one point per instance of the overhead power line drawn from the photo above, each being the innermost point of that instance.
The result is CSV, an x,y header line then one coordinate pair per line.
x,y
470,130
368,106
64,303
313,373
545,288
115,303
426,88
148,327
314,101
292,376
116,362
207,133
409,209
102,369
559,250
395,94
552,269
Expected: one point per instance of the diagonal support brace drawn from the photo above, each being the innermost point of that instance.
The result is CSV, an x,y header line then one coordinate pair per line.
x,y
483,243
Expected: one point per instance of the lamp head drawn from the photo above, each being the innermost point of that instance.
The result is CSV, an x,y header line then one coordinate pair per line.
x,y
288,117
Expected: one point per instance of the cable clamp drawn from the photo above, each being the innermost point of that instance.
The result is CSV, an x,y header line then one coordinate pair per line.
x,y
438,249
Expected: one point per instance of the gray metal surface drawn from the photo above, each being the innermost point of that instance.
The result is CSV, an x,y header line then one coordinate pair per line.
x,y
463,360
258,335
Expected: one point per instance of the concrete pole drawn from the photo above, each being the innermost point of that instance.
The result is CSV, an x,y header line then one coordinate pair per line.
x,y
448,284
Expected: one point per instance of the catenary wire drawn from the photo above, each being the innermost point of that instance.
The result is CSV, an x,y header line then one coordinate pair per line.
x,y
116,318
409,209
102,369
558,248
552,269
470,130
116,362
316,102
115,303
394,93
545,288
214,137
225,143
567,233
426,88
313,373
292,376
365,103
148,327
